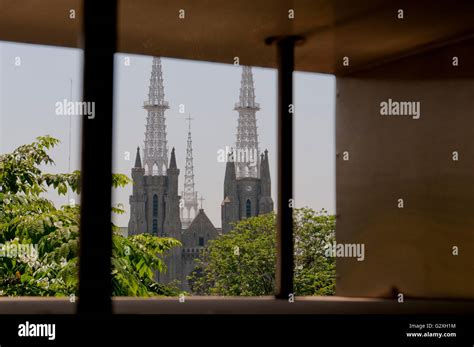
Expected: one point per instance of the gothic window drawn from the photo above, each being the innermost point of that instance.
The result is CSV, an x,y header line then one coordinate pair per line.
x,y
201,241
155,205
248,208
155,227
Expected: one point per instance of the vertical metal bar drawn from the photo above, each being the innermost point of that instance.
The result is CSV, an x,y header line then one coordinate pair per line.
x,y
99,40
284,263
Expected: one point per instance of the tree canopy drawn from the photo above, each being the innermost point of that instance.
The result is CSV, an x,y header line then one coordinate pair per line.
x,y
242,262
39,242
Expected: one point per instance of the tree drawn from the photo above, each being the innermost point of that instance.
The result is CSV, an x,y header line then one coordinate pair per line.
x,y
28,221
242,262
314,272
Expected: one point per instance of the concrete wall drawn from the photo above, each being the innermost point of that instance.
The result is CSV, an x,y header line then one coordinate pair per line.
x,y
407,250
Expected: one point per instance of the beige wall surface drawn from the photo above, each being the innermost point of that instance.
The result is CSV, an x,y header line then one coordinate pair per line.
x,y
408,250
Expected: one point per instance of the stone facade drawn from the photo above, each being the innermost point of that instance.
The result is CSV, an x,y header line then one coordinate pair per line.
x,y
155,203
245,197
154,209
195,238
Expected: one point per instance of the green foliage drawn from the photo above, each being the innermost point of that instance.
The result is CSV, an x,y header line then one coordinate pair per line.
x,y
242,262
315,274
134,259
51,267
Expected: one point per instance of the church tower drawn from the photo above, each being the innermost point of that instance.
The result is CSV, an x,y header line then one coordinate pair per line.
x,y
247,183
154,203
156,150
190,200
246,152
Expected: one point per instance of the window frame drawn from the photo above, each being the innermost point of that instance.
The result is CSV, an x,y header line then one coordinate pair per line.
x,y
98,83
99,36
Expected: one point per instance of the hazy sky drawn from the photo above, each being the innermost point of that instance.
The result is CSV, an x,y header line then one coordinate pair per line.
x,y
33,78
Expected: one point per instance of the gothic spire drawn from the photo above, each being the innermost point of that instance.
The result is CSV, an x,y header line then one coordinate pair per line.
x,y
247,152
156,93
189,194
138,160
173,160
265,175
230,177
247,91
156,149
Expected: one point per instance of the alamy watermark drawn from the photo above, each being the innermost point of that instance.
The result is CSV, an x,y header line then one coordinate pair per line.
x,y
401,108
75,108
240,155
28,329
345,250
18,250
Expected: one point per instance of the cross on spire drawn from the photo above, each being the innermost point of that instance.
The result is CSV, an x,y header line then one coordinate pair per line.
x,y
201,199
189,119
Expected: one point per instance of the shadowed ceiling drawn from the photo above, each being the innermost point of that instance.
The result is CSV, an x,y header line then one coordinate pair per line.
x,y
369,31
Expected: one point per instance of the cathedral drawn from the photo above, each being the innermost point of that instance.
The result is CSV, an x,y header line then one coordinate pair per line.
x,y
158,208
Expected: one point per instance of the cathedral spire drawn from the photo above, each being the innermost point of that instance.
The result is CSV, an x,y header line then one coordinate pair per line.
x,y
156,149
189,194
247,152
230,177
265,175
173,160
138,160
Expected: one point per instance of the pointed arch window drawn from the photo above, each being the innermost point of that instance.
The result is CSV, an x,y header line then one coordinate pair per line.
x,y
155,205
248,208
